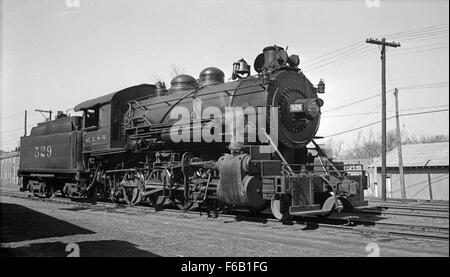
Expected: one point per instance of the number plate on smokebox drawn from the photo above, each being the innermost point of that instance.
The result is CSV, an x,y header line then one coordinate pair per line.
x,y
296,108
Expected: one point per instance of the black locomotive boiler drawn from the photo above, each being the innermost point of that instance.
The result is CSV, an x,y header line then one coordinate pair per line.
x,y
201,143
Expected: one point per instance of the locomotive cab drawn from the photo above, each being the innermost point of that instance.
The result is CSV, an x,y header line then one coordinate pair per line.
x,y
96,123
103,129
91,119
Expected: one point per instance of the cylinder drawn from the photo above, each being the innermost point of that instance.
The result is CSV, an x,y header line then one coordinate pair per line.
x,y
235,186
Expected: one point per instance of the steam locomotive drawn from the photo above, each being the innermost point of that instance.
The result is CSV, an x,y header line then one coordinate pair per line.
x,y
200,144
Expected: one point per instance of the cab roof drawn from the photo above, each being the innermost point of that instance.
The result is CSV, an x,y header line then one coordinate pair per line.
x,y
128,93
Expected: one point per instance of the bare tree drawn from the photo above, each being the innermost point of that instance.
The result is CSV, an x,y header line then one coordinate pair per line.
x,y
338,149
156,78
370,147
176,70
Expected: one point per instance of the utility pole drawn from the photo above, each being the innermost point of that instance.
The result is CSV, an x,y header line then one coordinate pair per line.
x,y
430,190
49,112
399,147
383,44
25,124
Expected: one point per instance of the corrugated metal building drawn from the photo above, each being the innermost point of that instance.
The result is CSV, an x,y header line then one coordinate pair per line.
x,y
426,170
9,164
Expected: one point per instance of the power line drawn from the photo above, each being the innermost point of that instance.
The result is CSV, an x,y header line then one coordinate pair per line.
x,y
423,35
330,65
369,113
420,51
391,78
326,65
429,85
16,130
11,131
418,86
14,139
429,33
416,31
442,43
361,49
11,115
364,117
426,112
338,59
377,122
352,103
334,52
357,49
8,144
429,38
358,46
440,178
354,129
421,29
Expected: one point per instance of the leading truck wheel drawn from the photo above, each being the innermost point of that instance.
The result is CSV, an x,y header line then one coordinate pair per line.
x,y
278,210
338,206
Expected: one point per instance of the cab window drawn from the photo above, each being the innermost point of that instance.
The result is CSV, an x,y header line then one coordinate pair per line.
x,y
105,116
91,119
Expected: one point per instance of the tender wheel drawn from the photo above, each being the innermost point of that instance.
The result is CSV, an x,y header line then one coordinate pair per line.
x,y
47,190
279,210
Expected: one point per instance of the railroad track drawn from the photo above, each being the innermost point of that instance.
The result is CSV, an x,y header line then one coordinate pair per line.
x,y
397,226
413,209
345,222
413,206
444,215
436,203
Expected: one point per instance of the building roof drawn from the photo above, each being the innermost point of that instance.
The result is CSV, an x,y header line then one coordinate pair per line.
x,y
418,155
8,155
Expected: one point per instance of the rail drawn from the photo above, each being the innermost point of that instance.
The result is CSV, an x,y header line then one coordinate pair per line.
x,y
339,223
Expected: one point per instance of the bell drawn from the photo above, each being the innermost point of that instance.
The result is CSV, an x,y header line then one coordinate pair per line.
x,y
240,68
243,67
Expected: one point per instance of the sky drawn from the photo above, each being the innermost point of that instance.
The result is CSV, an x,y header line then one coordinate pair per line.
x,y
58,53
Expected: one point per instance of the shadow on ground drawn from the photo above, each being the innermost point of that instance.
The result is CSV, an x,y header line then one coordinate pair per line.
x,y
19,223
101,248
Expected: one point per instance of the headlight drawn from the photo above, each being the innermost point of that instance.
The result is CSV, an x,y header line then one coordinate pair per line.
x,y
312,108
